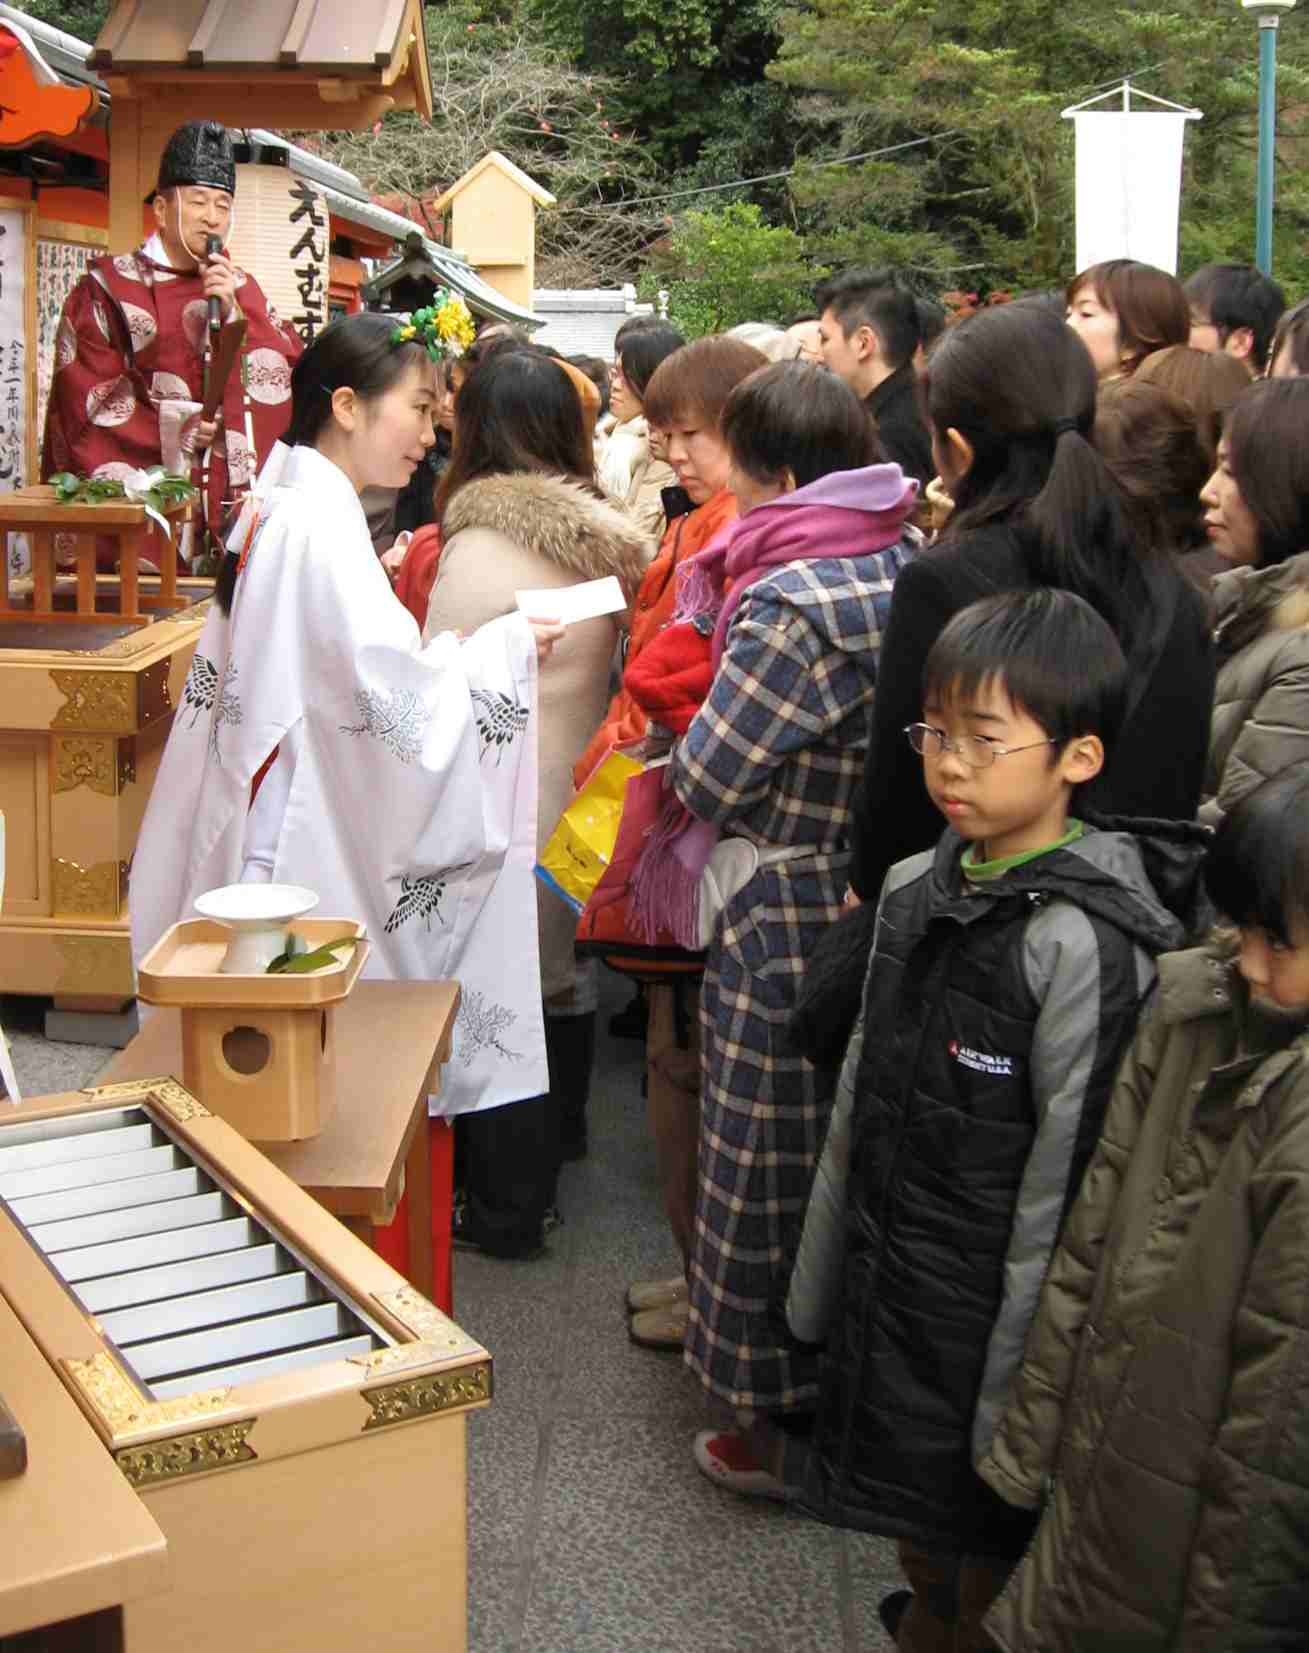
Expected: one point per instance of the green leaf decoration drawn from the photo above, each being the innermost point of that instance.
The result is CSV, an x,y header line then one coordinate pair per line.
x,y
302,964
164,490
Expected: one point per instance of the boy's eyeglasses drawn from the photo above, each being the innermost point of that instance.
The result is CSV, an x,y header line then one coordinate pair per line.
x,y
977,751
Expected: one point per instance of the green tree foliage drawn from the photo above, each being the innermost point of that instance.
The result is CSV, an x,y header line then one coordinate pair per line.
x,y
987,200
688,74
82,18
726,265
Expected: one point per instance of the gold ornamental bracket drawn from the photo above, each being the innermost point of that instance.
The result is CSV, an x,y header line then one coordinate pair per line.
x,y
419,1397
112,702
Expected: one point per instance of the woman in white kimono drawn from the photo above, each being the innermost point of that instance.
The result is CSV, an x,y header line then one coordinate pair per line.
x,y
397,780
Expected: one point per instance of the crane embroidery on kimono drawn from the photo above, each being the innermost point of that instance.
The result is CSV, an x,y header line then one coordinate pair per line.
x,y
207,691
480,1023
500,720
201,686
398,718
419,898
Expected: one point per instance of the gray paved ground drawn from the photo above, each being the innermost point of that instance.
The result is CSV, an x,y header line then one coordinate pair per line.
x,y
591,1531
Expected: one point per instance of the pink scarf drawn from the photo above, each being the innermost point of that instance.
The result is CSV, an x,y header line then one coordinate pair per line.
x,y
843,514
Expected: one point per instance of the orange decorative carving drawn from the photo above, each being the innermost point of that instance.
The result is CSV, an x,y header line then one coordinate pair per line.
x,y
30,109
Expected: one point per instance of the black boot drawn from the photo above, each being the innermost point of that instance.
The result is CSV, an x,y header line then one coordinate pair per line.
x,y
571,1041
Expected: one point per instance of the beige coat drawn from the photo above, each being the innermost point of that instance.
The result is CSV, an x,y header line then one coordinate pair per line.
x,y
505,534
632,474
1261,703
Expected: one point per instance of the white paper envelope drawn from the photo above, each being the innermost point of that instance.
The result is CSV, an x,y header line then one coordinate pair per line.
x,y
568,603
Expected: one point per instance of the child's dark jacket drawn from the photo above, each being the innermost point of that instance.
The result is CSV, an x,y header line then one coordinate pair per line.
x,y
995,1018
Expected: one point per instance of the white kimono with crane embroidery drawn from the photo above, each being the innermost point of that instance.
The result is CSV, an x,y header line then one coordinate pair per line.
x,y
404,787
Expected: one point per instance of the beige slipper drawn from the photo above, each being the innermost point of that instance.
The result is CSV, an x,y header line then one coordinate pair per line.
x,y
660,1328
656,1294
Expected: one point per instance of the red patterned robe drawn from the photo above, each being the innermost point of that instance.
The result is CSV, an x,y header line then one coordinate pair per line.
x,y
131,339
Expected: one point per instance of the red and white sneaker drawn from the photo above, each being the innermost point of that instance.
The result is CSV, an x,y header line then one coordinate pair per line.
x,y
726,1459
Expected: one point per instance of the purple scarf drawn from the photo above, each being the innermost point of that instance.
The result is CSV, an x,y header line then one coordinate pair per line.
x,y
843,514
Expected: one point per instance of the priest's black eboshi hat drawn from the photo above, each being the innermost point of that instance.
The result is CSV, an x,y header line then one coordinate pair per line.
x,y
198,153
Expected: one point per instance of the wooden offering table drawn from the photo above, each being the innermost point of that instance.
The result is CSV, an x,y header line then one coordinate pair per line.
x,y
57,1567
92,669
284,1408
392,1039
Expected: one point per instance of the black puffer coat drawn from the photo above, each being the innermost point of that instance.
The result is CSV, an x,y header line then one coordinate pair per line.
x,y
995,1017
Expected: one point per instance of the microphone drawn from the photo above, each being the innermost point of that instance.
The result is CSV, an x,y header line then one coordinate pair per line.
x,y
214,245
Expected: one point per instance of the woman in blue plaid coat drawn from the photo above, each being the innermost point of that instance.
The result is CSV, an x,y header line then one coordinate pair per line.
x,y
772,757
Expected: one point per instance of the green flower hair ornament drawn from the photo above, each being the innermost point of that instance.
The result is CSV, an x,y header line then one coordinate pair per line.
x,y
444,328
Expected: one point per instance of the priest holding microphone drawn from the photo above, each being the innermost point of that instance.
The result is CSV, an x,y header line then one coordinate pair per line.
x,y
150,340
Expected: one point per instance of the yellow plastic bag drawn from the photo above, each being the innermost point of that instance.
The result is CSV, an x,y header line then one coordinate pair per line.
x,y
578,850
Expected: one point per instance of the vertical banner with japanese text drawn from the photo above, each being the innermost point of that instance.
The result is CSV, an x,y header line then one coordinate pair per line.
x,y
282,236
17,345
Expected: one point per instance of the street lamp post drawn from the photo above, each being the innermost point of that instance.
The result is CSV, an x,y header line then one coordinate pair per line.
x,y
1269,13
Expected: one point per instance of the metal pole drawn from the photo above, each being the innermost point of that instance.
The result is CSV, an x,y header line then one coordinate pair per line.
x,y
1263,234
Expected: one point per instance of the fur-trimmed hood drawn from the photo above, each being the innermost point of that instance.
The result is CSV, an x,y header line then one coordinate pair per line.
x,y
557,520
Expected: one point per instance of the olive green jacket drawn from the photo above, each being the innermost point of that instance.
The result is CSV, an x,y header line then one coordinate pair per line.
x,y
1162,1410
1260,721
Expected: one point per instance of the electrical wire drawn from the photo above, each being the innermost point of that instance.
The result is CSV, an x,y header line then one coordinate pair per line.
x,y
844,160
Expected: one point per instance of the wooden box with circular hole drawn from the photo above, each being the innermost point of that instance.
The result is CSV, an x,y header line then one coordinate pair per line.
x,y
257,1050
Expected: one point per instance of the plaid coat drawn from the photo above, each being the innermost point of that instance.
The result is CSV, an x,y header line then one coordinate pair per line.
x,y
773,756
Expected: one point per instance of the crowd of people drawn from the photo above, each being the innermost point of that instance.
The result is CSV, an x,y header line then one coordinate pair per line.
x,y
974,659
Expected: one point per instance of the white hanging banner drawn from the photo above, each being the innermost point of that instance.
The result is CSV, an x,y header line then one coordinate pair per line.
x,y
1129,180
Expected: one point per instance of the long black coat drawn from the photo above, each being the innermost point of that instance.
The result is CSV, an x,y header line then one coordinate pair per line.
x,y
1158,762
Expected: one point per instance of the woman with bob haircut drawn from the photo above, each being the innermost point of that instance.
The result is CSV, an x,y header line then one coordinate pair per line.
x,y
1011,398
1156,1422
519,510
320,742
1148,440
1257,517
1122,310
684,400
798,595
628,469
1208,381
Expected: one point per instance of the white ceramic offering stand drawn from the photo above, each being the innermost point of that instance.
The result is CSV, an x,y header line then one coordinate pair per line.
x,y
258,915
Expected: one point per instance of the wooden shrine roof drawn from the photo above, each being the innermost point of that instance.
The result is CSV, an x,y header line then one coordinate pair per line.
x,y
378,45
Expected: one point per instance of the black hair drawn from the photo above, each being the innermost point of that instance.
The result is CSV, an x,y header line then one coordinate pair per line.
x,y
597,371
1257,868
518,412
931,321
1237,295
876,299
1052,654
635,324
797,416
640,352
1292,335
1265,431
1017,382
353,352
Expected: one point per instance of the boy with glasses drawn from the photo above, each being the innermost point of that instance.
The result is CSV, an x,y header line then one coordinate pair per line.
x,y
1007,973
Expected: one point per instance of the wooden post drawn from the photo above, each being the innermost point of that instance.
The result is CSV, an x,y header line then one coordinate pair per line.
x,y
85,574
43,570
